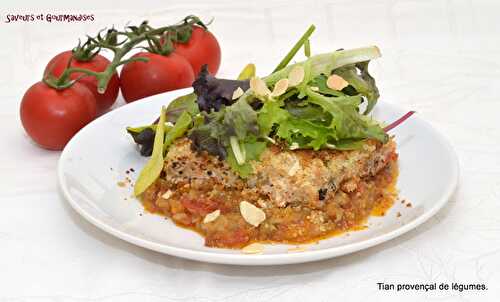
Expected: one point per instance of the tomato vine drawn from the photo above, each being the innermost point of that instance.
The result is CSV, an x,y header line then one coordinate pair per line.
x,y
159,40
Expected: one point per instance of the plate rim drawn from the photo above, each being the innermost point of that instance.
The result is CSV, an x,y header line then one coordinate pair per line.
x,y
259,259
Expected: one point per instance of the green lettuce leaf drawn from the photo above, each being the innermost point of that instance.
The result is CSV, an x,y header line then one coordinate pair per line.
x,y
209,135
271,114
179,105
320,82
247,72
307,111
305,133
358,77
181,126
346,120
240,120
153,167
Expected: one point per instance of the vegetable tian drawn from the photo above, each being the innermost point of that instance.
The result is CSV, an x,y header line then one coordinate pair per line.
x,y
291,157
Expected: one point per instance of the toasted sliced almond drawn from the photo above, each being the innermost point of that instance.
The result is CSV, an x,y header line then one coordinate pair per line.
x,y
211,216
259,87
252,214
280,87
336,82
167,194
237,93
296,75
254,248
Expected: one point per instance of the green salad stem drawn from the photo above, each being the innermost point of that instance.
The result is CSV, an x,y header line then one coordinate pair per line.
x,y
235,146
307,48
289,56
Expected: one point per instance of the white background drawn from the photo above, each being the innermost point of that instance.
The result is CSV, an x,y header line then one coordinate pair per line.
x,y
440,58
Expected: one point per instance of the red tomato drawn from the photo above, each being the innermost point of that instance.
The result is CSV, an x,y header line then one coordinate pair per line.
x,y
98,64
51,117
202,48
160,74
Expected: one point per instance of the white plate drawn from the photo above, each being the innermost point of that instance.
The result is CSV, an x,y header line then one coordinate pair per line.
x,y
96,159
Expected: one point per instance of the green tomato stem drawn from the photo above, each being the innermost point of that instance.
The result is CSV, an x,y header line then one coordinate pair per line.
x,y
120,49
136,59
106,74
68,71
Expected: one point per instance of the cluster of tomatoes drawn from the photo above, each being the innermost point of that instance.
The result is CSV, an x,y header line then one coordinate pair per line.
x,y
52,115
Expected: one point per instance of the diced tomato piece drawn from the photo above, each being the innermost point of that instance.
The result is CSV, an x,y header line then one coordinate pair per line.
x,y
200,206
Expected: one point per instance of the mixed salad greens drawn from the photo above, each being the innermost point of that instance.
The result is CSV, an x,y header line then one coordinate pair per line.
x,y
315,104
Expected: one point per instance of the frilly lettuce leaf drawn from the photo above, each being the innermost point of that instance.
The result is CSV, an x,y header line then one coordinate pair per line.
x,y
357,76
240,120
304,133
346,120
271,114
